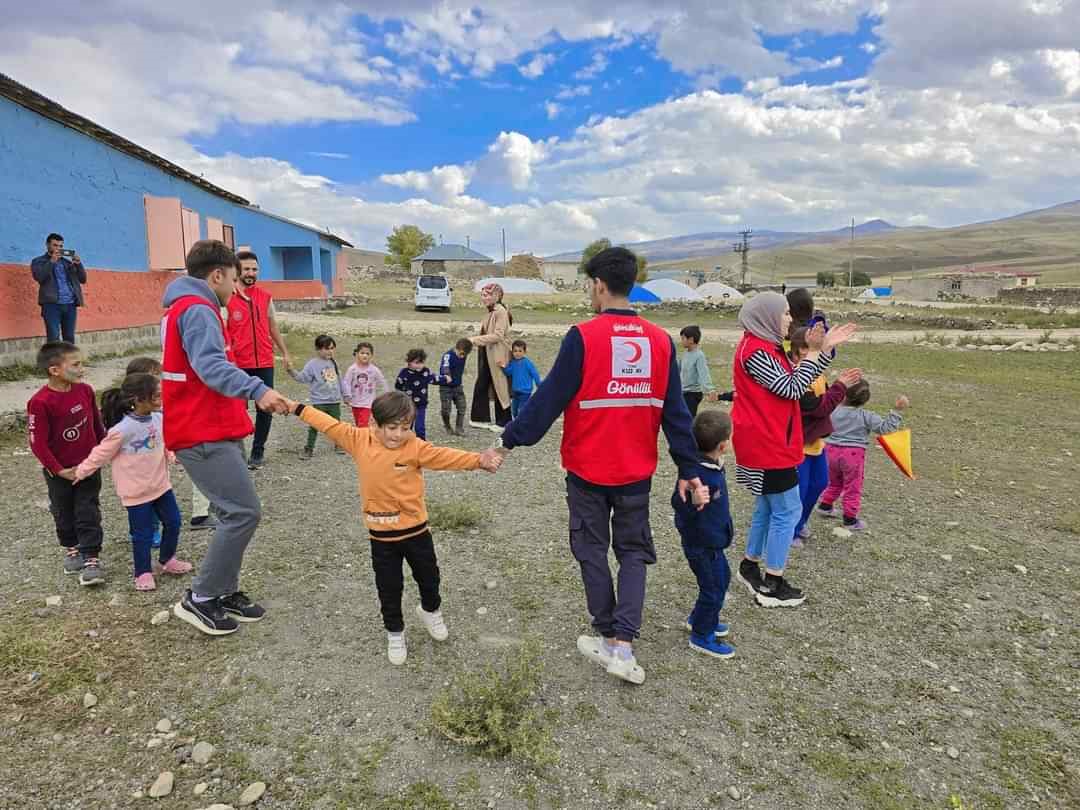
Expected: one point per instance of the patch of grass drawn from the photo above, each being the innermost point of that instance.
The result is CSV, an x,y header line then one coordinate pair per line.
x,y
419,796
494,711
876,781
625,795
1030,759
1069,522
40,660
453,517
19,371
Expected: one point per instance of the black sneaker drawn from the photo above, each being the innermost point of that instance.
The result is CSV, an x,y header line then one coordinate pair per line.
x,y
204,523
241,608
255,461
207,617
749,574
775,592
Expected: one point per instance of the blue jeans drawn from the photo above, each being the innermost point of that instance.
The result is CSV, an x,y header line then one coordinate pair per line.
x,y
142,520
813,478
517,402
772,528
713,573
59,321
420,426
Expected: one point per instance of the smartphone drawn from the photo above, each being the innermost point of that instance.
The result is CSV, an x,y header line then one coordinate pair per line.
x,y
68,253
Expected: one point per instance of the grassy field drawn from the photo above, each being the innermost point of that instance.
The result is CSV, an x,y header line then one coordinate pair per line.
x,y
927,670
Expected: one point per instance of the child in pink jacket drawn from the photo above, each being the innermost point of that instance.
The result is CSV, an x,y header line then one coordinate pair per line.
x,y
136,448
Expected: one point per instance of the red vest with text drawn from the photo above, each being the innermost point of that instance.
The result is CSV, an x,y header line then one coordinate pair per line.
x,y
249,328
195,413
610,426
766,430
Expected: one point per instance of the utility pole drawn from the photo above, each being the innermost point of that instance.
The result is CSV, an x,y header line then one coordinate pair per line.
x,y
743,248
851,255
504,250
468,242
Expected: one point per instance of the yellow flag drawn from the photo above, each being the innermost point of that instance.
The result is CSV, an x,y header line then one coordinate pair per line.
x,y
897,446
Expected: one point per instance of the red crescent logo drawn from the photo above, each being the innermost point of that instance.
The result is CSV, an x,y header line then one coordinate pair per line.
x,y
635,352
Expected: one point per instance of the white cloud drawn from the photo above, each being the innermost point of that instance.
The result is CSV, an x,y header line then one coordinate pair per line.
x,y
552,110
443,183
597,66
330,155
573,92
510,160
535,68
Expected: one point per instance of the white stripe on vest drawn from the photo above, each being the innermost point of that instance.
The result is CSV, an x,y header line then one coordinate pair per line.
x,y
173,376
635,402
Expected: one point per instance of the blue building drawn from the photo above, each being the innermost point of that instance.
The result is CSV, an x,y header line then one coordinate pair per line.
x,y
127,211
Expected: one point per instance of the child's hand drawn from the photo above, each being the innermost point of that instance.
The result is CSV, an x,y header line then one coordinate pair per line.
x,y
490,460
699,492
712,396
849,376
68,473
502,363
837,335
902,402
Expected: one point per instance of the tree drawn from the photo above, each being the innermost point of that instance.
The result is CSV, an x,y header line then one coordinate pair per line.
x,y
592,250
642,273
826,279
405,244
861,279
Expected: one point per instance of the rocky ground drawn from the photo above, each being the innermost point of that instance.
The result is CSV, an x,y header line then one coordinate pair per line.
x,y
935,665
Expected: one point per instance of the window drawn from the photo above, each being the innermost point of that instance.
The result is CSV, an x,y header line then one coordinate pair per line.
x,y
190,225
164,233
433,282
228,236
955,285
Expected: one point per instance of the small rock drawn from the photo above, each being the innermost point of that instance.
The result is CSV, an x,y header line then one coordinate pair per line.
x,y
155,742
734,793
202,752
952,524
252,793
53,601
138,794
929,663
164,725
162,786
89,700
91,633
920,598
1021,568
116,601
490,584
1046,617
481,611
967,713
841,532
159,618
952,752
200,788
226,680
974,547
41,613
219,806
947,557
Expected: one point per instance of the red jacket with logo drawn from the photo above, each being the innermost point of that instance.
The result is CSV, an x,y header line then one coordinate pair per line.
x,y
195,413
249,328
610,426
766,430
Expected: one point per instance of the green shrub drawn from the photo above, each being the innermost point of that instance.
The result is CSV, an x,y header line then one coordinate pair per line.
x,y
494,712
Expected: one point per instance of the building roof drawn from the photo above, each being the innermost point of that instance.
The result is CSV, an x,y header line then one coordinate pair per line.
x,y
31,100
452,253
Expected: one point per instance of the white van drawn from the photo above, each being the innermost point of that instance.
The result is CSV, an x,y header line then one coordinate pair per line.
x,y
433,292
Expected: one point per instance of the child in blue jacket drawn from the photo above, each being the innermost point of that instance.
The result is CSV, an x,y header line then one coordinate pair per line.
x,y
523,375
706,534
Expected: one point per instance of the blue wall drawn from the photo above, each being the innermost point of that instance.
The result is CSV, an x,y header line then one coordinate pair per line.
x,y
56,179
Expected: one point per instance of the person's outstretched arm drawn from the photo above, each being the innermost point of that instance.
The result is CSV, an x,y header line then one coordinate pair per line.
x,y
551,398
200,332
344,435
535,374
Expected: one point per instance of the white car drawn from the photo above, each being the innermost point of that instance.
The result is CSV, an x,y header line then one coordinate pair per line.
x,y
433,292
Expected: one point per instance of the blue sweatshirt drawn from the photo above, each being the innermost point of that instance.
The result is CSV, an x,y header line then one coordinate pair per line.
x,y
415,384
711,527
561,385
453,367
522,374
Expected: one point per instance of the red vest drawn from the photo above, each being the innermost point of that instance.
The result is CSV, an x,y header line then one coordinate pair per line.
x,y
766,430
194,413
610,426
249,328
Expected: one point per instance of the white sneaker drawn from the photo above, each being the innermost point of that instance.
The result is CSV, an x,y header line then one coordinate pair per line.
x,y
396,650
627,669
434,623
594,648
480,425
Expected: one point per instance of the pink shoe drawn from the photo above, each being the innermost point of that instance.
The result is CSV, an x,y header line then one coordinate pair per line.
x,y
175,567
145,582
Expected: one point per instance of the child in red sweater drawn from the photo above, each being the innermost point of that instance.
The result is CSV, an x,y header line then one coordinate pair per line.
x,y
64,425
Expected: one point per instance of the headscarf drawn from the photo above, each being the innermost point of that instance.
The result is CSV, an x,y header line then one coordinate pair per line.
x,y
497,291
762,316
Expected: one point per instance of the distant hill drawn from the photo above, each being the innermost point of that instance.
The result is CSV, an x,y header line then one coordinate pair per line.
x,y
708,244
1046,241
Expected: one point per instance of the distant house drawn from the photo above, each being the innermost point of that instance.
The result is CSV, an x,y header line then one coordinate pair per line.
x,y
447,259
972,281
561,274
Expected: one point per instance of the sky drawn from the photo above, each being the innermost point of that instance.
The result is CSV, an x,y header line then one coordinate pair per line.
x,y
568,120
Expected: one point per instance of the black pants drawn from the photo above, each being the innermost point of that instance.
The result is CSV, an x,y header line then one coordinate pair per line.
x,y
693,400
452,395
483,394
386,559
77,512
263,419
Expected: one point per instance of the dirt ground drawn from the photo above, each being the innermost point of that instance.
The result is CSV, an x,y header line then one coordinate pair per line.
x,y
935,664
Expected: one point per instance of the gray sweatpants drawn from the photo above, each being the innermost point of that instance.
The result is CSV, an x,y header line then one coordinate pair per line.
x,y
452,395
219,470
600,519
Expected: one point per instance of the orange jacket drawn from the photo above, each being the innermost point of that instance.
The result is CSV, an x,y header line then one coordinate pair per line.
x,y
391,481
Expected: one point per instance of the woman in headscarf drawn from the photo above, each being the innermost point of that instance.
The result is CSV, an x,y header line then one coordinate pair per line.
x,y
767,437
491,382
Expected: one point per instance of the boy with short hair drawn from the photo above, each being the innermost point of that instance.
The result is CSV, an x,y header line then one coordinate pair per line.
x,y
451,390
390,462
413,381
694,373
523,376
706,533
63,426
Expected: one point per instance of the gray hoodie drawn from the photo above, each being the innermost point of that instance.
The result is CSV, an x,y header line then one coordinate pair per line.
x,y
851,427
204,342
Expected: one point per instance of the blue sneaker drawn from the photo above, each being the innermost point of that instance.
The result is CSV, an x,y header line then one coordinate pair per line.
x,y
721,631
717,649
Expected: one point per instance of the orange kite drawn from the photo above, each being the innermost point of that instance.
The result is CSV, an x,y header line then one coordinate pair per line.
x,y
897,446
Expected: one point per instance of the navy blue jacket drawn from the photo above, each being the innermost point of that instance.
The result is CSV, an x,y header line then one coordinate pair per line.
x,y
451,366
415,384
561,385
41,269
712,527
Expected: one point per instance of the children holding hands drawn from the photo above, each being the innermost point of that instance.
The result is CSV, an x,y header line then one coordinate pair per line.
x,y
390,460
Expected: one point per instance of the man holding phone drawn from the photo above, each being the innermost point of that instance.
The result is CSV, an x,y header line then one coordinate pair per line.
x,y
60,275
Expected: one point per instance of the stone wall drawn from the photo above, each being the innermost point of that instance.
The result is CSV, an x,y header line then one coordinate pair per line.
x,y
1041,296
14,351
